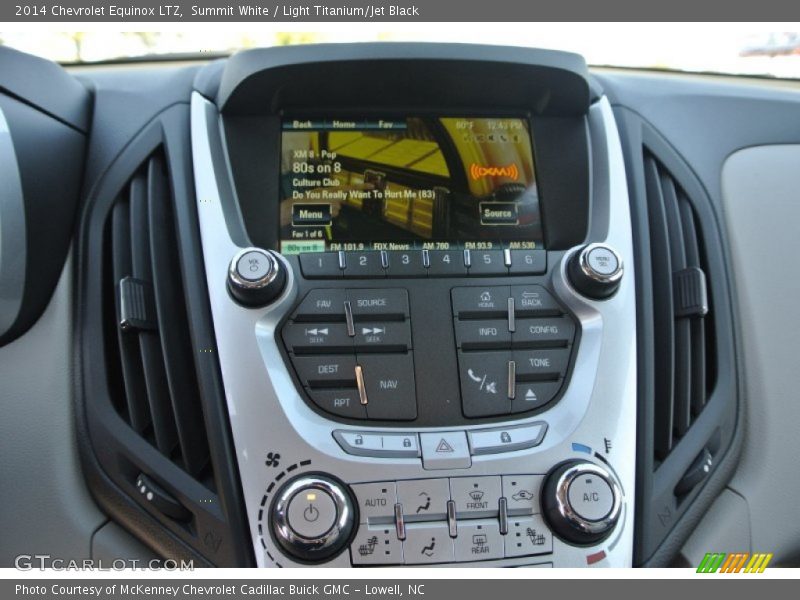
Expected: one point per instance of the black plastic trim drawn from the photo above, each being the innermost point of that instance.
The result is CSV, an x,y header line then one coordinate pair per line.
x,y
112,453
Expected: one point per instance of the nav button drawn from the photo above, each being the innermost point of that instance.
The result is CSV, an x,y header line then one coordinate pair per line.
x,y
390,388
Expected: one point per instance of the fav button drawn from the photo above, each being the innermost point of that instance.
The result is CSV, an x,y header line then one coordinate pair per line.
x,y
322,305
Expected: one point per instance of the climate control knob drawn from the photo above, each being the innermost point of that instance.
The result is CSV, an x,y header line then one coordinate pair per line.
x,y
595,271
312,517
581,502
256,277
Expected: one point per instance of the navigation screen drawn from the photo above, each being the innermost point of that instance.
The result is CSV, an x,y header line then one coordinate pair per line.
x,y
414,183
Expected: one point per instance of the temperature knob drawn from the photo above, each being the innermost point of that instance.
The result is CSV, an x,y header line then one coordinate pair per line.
x,y
312,517
256,277
595,271
581,502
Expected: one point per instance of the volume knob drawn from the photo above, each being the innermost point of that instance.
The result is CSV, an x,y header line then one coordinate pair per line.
x,y
255,277
595,271
581,502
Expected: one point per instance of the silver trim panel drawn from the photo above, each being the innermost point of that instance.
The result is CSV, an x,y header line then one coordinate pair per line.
x,y
267,413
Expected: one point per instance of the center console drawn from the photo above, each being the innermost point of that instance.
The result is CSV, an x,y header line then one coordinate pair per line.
x,y
421,276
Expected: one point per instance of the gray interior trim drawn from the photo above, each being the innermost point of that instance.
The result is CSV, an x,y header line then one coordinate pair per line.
x,y
46,506
761,211
12,231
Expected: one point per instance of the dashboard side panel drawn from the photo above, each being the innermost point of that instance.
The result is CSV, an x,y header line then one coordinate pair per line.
x,y
46,506
760,203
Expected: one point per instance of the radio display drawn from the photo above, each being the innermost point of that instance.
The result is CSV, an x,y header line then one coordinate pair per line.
x,y
412,183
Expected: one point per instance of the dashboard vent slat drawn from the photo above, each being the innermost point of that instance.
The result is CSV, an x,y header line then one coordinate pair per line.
x,y
157,360
173,323
138,413
680,304
662,309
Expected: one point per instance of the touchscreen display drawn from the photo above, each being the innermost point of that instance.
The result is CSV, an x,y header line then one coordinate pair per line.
x,y
413,183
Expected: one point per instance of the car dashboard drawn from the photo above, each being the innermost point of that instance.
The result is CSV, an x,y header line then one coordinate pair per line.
x,y
385,305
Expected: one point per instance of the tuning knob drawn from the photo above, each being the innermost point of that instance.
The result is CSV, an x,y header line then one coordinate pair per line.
x,y
256,277
595,271
581,502
312,517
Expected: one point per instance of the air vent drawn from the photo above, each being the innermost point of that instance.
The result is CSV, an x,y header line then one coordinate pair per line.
x,y
683,367
153,374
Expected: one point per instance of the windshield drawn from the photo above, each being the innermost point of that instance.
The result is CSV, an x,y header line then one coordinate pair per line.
x,y
762,49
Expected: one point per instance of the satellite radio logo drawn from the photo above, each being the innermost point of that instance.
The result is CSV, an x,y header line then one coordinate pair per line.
x,y
738,562
477,171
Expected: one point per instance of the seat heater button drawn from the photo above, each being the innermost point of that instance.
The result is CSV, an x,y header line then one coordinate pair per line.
x,y
528,536
506,439
424,499
427,543
475,497
376,546
375,501
381,444
445,450
479,540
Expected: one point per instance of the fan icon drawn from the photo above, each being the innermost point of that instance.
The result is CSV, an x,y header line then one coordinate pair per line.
x,y
273,459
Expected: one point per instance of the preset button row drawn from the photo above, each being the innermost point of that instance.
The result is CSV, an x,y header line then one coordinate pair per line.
x,y
422,263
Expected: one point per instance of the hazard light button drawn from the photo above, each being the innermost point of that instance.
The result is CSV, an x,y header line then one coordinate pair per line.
x,y
445,450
